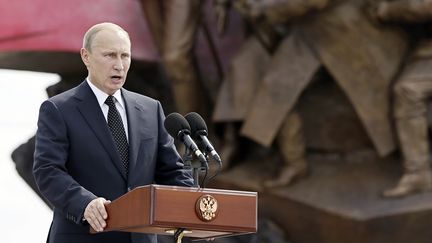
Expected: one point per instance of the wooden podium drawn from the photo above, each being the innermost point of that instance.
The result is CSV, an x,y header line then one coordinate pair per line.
x,y
203,213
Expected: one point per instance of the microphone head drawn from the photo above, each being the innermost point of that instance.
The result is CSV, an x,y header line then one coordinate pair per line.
x,y
175,124
197,124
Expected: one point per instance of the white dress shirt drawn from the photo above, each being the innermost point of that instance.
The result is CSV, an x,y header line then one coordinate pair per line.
x,y
119,102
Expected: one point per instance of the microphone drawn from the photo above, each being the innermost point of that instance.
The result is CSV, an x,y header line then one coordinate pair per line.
x,y
199,132
178,127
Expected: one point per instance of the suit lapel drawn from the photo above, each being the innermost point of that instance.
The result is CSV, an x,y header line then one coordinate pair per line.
x,y
132,111
90,110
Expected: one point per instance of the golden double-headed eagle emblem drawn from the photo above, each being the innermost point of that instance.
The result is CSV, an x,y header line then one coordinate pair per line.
x,y
207,207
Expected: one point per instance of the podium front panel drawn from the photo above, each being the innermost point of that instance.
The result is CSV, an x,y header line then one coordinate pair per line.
x,y
237,210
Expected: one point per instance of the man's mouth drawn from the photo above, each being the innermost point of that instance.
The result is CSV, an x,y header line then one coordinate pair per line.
x,y
116,77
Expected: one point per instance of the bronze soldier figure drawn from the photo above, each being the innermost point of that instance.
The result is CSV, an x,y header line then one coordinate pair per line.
x,y
360,55
174,25
412,90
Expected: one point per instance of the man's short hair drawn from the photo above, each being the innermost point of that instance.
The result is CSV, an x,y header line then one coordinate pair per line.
x,y
91,33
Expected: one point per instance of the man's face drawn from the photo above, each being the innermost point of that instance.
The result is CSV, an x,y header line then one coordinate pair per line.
x,y
109,60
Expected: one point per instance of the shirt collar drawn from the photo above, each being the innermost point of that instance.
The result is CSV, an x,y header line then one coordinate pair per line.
x,y
102,96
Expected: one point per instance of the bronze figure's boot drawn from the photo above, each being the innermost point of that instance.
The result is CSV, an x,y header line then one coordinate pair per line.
x,y
292,148
411,182
417,175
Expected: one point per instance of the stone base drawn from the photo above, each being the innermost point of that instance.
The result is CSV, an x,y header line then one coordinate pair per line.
x,y
340,201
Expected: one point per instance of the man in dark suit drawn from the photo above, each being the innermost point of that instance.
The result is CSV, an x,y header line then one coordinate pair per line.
x,y
97,141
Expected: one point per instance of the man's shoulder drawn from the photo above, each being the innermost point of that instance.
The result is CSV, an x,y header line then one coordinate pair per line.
x,y
140,98
64,97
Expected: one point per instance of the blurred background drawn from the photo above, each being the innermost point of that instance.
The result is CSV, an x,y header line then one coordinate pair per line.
x,y
320,106
25,217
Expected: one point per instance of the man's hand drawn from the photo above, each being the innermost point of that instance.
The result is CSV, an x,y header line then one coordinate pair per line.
x,y
95,213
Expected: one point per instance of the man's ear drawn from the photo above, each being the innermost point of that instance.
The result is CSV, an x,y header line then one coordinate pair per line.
x,y
84,56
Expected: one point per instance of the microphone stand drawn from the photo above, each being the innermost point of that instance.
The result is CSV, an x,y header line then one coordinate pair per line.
x,y
195,167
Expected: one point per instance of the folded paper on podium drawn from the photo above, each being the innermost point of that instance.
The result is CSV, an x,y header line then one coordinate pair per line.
x,y
203,213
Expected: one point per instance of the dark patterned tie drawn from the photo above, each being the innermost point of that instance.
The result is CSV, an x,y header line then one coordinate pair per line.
x,y
117,129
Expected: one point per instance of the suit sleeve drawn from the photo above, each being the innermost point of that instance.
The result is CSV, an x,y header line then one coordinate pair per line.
x,y
169,165
50,165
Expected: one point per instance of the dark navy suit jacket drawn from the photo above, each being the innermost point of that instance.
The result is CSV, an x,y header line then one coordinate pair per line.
x,y
76,159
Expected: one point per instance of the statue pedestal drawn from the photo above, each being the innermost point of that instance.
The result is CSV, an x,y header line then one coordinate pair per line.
x,y
339,202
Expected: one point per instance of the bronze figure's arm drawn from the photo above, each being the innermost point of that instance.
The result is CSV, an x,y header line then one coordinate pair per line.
x,y
414,11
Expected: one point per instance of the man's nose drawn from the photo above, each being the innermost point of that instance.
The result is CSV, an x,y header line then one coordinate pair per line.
x,y
118,65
